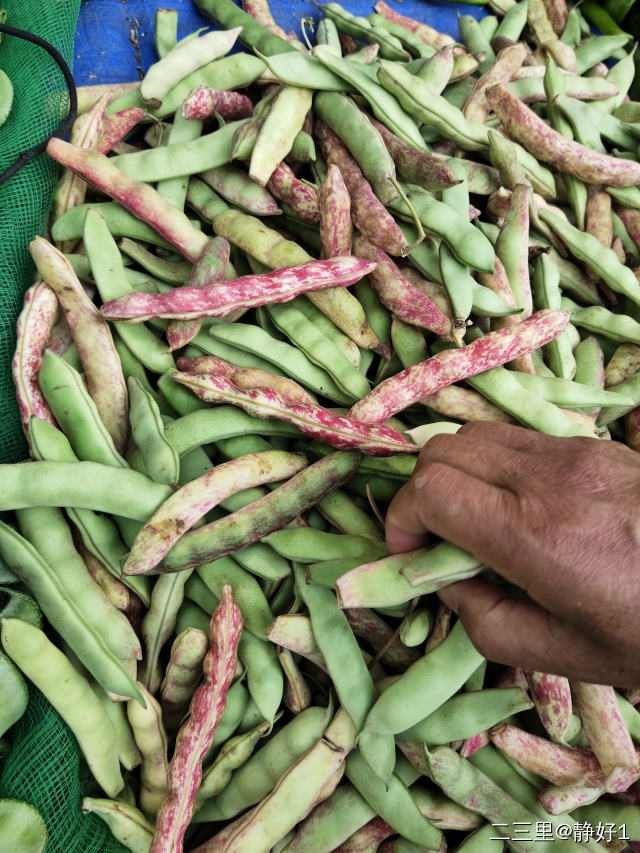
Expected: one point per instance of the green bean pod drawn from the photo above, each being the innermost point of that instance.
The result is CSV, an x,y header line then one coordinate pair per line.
x,y
392,803
253,781
364,142
319,349
264,675
127,824
383,105
360,28
47,530
160,457
267,514
546,292
64,613
151,740
247,592
71,696
234,753
75,411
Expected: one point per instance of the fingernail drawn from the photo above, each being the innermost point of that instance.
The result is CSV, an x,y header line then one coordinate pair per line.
x,y
447,596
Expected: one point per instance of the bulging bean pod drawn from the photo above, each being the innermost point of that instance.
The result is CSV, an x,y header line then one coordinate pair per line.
x,y
468,714
398,294
33,329
127,824
93,338
314,421
182,675
196,734
151,740
444,670
246,292
551,147
420,380
65,613
142,200
234,753
185,58
204,101
70,694
190,503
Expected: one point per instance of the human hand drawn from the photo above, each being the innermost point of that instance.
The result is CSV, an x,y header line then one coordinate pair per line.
x,y
557,517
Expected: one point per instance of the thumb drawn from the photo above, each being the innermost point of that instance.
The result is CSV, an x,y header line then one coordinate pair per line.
x,y
518,632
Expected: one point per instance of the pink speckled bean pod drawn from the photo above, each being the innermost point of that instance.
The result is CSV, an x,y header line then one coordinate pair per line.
x,y
546,144
248,291
33,329
205,101
248,377
607,734
92,335
140,199
114,590
418,381
424,32
190,503
260,12
507,63
60,338
397,293
598,221
632,428
551,696
196,734
182,675
293,632
117,126
558,13
207,270
415,166
370,627
562,799
631,220
558,764
334,203
464,404
71,190
435,292
473,744
367,838
368,214
315,421
301,198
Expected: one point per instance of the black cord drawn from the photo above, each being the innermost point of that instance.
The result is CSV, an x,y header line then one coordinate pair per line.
x,y
65,125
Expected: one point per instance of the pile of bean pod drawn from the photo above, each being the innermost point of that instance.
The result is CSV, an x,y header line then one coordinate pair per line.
x,y
272,275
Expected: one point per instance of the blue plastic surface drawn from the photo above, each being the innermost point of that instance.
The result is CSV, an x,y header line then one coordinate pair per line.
x,y
114,38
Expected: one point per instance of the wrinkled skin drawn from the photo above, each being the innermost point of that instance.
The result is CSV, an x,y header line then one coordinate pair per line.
x,y
557,518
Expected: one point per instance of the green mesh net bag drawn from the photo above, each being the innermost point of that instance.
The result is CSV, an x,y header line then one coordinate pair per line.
x,y
43,768
40,103
43,763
